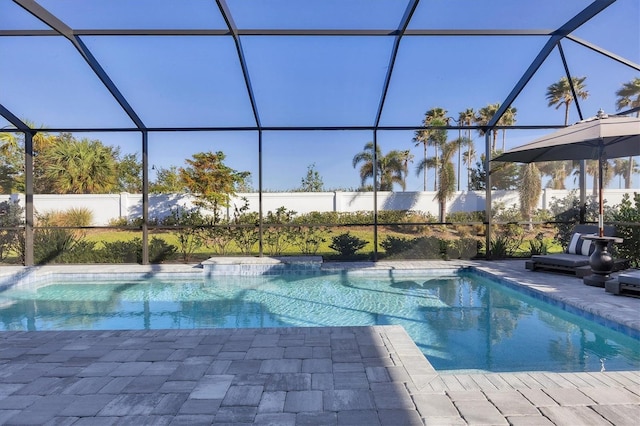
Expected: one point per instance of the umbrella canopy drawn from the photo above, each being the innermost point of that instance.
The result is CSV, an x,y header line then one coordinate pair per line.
x,y
598,138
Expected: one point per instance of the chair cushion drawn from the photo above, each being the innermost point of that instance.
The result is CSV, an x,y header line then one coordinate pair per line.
x,y
561,259
578,245
630,278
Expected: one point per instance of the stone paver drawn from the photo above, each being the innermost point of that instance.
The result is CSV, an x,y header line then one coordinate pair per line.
x,y
299,376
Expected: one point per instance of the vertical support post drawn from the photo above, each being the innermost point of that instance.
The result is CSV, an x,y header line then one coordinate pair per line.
x,y
260,218
145,197
28,197
375,195
600,195
487,202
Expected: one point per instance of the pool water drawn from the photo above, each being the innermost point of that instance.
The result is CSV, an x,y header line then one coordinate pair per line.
x,y
459,321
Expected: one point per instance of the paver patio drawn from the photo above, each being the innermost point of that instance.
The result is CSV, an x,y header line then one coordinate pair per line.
x,y
286,376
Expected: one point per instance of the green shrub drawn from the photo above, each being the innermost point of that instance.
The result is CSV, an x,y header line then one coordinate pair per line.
x,y
507,240
159,250
394,246
392,216
118,222
277,239
308,239
538,245
191,237
465,217
50,244
462,248
566,211
346,244
83,251
131,251
462,219
245,233
499,247
319,218
122,251
628,213
429,248
10,217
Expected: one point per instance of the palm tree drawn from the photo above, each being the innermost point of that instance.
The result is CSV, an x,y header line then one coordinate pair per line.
x,y
560,94
625,169
446,171
405,158
557,171
81,167
485,114
465,118
8,143
607,170
529,190
507,119
390,167
469,158
629,97
425,137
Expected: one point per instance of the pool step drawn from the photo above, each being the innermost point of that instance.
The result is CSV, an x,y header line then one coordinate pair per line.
x,y
293,265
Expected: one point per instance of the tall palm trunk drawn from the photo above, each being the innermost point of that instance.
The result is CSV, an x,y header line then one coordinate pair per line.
x,y
425,170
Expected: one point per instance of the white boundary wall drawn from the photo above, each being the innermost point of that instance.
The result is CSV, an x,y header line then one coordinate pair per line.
x,y
106,207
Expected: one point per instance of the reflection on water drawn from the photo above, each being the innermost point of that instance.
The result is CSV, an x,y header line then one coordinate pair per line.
x,y
460,322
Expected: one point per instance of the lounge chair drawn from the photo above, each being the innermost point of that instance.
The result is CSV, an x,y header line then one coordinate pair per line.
x,y
576,258
627,283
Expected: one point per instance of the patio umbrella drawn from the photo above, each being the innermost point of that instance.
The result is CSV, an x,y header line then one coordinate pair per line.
x,y
597,138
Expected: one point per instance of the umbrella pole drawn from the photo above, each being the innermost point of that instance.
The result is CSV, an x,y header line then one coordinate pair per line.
x,y
600,199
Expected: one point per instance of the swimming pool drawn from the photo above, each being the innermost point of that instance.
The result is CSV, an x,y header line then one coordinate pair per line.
x,y
460,321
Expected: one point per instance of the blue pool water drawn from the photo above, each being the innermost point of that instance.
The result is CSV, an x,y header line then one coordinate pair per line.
x,y
460,321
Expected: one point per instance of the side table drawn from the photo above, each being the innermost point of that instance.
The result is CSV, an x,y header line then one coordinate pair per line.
x,y
600,260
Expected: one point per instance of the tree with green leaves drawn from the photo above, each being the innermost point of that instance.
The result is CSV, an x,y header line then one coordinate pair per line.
x,y
167,181
503,176
10,162
390,167
129,173
210,180
560,94
312,182
629,97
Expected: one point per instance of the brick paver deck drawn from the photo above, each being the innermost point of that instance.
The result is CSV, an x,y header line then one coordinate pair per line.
x,y
286,376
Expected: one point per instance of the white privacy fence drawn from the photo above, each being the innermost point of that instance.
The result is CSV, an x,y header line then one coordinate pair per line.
x,y
107,207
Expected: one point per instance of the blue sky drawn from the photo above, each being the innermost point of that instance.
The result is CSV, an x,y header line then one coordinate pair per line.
x,y
303,81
